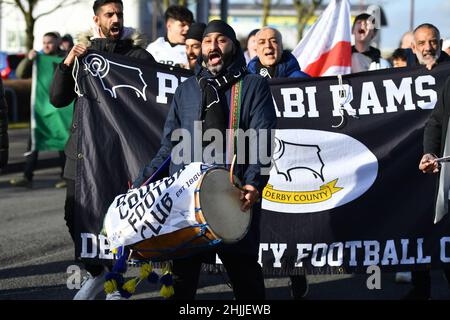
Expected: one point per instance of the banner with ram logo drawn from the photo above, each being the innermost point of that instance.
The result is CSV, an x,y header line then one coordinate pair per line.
x,y
344,192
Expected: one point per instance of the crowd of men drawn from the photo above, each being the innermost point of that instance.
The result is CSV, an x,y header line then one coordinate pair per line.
x,y
209,51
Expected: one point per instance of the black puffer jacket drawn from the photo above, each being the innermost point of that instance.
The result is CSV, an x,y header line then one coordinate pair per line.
x,y
4,144
62,88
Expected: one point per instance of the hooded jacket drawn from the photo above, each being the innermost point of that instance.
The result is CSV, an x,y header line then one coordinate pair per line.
x,y
62,88
4,144
287,67
257,112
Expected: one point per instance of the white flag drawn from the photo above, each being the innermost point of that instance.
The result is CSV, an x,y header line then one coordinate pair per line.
x,y
326,48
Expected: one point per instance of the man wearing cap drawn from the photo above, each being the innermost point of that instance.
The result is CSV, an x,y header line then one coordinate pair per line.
x,y
364,56
205,100
194,43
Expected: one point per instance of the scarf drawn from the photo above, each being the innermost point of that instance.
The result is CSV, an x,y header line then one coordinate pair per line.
x,y
215,109
266,72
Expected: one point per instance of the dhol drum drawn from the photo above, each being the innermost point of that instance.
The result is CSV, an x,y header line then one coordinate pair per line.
x,y
219,220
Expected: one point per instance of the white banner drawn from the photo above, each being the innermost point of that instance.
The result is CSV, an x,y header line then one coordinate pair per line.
x,y
162,207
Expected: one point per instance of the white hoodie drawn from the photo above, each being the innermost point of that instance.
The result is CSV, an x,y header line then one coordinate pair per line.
x,y
164,53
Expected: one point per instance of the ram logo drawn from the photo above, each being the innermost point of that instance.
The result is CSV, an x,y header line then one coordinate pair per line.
x,y
314,171
100,67
307,157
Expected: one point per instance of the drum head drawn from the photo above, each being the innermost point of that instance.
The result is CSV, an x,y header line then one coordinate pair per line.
x,y
220,204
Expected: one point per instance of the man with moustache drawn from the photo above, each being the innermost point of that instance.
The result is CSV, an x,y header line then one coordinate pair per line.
x,y
206,98
427,46
194,43
108,35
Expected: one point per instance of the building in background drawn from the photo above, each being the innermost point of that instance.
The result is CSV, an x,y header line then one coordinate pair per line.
x,y
71,19
148,16
245,16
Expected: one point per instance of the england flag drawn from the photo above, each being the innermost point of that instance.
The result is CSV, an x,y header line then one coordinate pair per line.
x,y
326,48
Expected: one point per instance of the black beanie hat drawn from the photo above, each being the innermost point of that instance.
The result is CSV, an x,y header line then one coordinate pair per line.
x,y
221,27
196,31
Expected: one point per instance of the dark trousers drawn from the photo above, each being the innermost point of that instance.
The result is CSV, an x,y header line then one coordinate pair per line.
x,y
244,271
421,280
69,214
31,163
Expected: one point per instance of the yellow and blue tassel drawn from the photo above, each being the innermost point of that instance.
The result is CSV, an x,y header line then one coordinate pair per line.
x,y
121,265
166,280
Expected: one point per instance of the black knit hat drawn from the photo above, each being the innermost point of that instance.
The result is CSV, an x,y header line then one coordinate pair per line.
x,y
221,27
196,31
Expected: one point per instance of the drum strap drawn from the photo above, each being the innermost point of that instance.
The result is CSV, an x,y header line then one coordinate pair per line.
x,y
235,118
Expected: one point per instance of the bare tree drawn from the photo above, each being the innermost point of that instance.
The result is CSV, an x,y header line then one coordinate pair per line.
x,y
27,8
305,10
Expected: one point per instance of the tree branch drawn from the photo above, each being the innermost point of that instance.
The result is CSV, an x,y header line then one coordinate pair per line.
x,y
61,4
19,5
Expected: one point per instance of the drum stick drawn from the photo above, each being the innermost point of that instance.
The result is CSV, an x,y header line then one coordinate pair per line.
x,y
443,159
232,181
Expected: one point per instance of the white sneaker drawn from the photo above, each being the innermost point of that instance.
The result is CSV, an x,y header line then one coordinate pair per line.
x,y
91,287
114,296
403,277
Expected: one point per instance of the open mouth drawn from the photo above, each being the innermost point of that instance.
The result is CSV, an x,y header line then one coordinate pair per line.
x,y
270,54
214,58
115,30
361,31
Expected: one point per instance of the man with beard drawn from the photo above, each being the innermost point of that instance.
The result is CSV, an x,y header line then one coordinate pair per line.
x,y
427,46
364,56
108,35
205,99
194,43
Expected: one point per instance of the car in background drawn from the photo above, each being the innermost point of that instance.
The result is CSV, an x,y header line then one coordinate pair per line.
x,y
9,63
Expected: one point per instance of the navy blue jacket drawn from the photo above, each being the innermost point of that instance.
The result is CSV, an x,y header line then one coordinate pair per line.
x,y
287,67
257,112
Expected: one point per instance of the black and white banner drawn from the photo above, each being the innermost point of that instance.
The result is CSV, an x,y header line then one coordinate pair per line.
x,y
344,193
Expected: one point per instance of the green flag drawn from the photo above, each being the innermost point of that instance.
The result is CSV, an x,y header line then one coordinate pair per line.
x,y
49,125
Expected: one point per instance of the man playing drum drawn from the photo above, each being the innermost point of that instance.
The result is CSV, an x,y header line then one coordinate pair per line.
x,y
222,96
